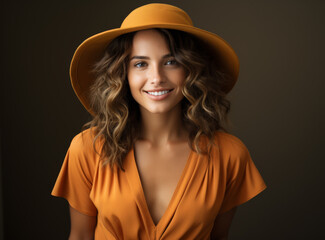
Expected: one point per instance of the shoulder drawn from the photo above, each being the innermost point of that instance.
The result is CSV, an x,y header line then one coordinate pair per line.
x,y
230,148
229,143
84,146
84,140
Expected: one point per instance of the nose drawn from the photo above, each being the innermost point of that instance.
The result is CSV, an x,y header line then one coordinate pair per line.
x,y
156,75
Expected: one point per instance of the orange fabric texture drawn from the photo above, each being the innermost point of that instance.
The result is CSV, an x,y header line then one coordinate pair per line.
x,y
205,189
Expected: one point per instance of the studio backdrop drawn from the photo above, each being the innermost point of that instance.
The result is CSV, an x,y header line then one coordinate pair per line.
x,y
277,107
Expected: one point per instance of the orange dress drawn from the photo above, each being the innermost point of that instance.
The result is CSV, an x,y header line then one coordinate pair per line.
x,y
206,188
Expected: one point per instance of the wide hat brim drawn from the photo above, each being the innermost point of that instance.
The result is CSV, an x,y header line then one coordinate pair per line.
x,y
146,17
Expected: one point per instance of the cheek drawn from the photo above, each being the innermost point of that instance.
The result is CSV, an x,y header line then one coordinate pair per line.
x,y
135,83
131,80
180,78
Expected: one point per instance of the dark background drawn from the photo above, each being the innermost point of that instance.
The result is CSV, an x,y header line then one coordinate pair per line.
x,y
278,107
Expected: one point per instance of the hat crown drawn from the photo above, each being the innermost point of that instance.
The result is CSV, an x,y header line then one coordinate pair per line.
x,y
156,13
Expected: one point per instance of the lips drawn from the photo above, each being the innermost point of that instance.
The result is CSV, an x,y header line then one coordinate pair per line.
x,y
158,94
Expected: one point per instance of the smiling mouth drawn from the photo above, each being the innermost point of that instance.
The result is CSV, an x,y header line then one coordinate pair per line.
x,y
159,93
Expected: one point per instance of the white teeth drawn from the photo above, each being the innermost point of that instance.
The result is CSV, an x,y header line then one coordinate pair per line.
x,y
159,93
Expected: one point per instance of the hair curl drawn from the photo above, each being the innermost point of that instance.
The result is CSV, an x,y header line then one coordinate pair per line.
x,y
204,105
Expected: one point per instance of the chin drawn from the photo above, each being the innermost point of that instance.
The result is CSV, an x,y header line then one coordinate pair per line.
x,y
158,110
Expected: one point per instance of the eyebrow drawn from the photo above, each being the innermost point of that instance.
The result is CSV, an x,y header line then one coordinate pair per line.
x,y
145,57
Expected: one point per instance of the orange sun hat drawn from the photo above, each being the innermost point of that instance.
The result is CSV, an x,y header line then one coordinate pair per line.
x,y
154,15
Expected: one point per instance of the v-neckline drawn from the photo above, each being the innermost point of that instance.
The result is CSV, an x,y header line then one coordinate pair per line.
x,y
136,184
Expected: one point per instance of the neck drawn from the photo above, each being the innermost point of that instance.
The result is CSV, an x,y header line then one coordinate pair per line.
x,y
162,128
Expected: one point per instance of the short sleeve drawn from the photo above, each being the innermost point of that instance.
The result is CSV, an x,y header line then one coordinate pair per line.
x,y
74,182
243,178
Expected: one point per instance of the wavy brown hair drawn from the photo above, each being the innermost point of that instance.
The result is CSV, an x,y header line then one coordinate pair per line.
x,y
117,115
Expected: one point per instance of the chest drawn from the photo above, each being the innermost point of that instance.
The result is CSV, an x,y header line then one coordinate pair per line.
x,y
150,204
160,170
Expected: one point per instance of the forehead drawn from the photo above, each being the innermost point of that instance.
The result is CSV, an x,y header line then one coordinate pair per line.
x,y
149,41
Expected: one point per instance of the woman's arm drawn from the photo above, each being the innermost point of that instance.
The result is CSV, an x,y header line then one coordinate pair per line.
x,y
222,225
82,226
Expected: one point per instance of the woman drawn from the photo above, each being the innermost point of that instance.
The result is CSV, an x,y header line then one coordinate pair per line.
x,y
155,162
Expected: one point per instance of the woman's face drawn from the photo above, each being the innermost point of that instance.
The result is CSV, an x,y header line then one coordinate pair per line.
x,y
154,76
